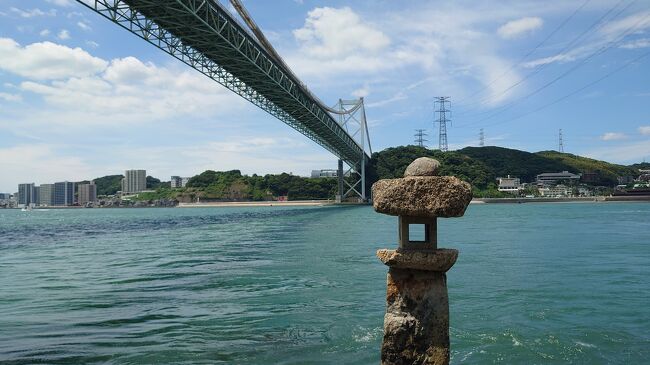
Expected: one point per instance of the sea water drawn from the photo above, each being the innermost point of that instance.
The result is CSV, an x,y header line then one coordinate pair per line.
x,y
534,284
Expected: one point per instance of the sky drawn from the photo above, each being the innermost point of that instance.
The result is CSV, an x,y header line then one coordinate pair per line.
x,y
82,98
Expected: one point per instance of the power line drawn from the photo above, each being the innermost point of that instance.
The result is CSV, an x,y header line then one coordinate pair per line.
x,y
419,137
598,52
512,66
598,23
566,96
442,102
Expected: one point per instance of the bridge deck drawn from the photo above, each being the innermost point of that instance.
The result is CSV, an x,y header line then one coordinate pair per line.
x,y
204,35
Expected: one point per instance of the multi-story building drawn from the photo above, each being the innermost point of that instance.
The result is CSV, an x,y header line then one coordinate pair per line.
x,y
549,178
37,195
509,184
26,194
134,181
555,191
326,173
47,194
645,175
63,193
87,193
5,200
179,182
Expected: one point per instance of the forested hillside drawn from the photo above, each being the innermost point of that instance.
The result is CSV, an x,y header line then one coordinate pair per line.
x,y
480,166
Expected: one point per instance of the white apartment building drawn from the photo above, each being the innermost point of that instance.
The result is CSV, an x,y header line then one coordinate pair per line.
x,y
134,181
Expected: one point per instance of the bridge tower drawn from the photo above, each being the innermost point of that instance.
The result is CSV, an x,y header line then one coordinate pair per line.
x,y
352,117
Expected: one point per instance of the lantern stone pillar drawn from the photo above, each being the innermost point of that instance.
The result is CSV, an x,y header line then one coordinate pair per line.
x,y
416,324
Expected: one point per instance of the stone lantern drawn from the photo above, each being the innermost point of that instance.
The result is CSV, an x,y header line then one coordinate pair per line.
x,y
416,324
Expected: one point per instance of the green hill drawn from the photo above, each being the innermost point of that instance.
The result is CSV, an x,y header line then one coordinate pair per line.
x,y
108,185
605,173
524,165
480,166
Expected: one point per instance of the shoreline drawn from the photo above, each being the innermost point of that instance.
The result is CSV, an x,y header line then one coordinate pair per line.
x,y
589,199
294,203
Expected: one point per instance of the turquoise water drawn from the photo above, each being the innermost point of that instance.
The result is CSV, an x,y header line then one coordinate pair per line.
x,y
534,284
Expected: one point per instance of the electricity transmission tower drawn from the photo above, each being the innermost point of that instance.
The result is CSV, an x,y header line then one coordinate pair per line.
x,y
481,138
560,144
442,102
419,137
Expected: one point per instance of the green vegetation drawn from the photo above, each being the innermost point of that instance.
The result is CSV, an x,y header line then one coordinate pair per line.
x,y
603,173
391,163
524,165
153,183
642,166
109,185
233,186
480,166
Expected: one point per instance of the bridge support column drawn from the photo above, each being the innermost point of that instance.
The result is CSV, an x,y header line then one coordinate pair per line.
x,y
339,175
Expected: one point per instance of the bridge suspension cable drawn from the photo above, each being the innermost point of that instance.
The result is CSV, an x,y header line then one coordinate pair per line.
x,y
207,37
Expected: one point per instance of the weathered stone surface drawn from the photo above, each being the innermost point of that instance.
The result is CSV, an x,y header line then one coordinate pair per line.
x,y
423,166
422,196
437,260
416,324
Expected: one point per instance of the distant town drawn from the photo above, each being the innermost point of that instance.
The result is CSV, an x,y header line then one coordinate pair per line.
x,y
566,185
486,168
561,184
68,194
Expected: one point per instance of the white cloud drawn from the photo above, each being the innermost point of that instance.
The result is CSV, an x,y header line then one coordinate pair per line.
x,y
637,22
64,3
83,25
92,44
645,130
46,60
550,59
637,43
46,163
397,97
33,12
612,34
44,33
63,35
623,153
39,163
613,136
331,33
10,97
361,92
520,27
128,91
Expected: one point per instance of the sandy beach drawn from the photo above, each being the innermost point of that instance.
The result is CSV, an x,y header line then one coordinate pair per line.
x,y
258,204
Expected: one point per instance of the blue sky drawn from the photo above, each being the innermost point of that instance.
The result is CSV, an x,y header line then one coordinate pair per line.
x,y
82,98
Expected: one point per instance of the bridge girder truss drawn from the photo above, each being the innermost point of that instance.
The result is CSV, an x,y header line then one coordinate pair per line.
x,y
203,35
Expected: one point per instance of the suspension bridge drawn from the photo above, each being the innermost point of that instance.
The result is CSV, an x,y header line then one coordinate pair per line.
x,y
204,35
